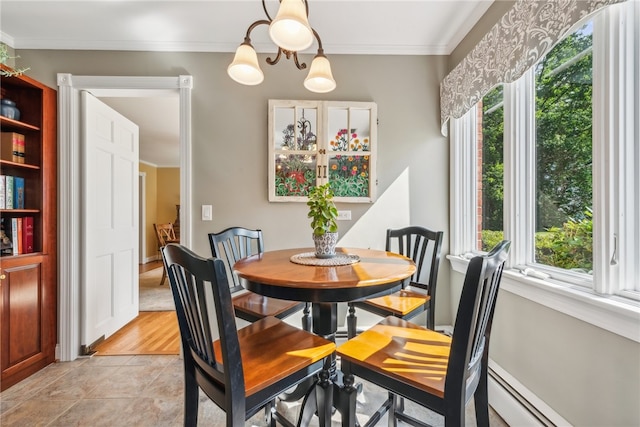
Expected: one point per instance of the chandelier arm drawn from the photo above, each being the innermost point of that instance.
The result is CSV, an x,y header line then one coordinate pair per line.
x,y
299,65
317,36
276,59
266,12
247,38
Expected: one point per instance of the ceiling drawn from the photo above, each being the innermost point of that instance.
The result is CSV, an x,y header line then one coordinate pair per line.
x,y
387,27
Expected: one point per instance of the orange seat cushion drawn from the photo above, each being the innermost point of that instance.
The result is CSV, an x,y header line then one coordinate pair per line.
x,y
272,349
401,303
404,351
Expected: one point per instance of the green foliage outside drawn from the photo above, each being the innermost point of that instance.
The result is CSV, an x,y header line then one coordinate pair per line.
x,y
569,246
563,157
564,133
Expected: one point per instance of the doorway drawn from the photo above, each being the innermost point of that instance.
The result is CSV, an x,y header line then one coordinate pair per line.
x,y
69,214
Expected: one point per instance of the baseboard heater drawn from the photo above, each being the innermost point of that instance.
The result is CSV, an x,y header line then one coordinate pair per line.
x,y
514,406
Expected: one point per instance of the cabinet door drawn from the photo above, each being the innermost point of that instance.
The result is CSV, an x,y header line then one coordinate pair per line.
x,y
27,323
293,149
314,142
351,150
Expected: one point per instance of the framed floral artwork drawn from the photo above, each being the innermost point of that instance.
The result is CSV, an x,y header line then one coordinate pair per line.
x,y
314,142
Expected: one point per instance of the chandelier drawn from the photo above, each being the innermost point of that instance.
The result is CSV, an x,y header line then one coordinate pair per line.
x,y
291,32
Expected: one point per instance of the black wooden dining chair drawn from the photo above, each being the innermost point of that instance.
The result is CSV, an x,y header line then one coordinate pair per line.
x,y
244,370
417,295
438,372
236,243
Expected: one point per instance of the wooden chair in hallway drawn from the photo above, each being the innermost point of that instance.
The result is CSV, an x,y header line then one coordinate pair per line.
x,y
417,295
244,370
165,235
429,368
236,243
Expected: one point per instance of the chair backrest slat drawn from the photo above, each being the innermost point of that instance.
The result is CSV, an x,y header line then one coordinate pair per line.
x,y
233,244
165,233
194,282
417,243
472,330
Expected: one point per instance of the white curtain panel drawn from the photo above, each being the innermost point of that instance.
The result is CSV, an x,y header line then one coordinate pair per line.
x,y
524,35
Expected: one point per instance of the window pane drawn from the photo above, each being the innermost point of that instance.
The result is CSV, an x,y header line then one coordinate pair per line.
x,y
349,175
564,154
295,174
491,173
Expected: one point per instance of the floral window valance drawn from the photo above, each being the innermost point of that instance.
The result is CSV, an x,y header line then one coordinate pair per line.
x,y
524,35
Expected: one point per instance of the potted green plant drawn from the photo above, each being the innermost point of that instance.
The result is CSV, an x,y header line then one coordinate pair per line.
x,y
323,214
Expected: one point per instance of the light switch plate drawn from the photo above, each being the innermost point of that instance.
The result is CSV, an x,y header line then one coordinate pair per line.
x,y
207,213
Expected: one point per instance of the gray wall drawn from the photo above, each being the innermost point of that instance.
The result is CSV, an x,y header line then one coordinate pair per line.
x,y
230,134
496,11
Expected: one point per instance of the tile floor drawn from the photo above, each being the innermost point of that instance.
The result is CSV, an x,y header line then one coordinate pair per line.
x,y
135,391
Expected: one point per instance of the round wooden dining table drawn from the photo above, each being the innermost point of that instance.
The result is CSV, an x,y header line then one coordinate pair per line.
x,y
293,274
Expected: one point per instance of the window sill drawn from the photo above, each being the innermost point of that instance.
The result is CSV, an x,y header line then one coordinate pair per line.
x,y
614,314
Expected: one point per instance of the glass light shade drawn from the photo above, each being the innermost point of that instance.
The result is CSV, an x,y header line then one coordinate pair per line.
x,y
245,69
290,29
320,79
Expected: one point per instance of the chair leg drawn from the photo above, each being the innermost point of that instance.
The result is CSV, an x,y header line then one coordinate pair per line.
x,y
481,400
431,317
351,322
454,414
268,414
391,417
306,317
164,276
191,396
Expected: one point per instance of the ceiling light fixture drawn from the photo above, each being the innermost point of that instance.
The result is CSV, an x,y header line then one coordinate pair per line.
x,y
291,32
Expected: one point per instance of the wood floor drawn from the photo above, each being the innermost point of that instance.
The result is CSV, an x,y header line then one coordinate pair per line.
x,y
152,332
143,268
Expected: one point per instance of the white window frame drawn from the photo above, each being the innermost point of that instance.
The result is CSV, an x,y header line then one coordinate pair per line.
x,y
607,299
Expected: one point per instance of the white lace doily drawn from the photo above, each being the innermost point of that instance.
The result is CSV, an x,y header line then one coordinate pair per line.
x,y
309,258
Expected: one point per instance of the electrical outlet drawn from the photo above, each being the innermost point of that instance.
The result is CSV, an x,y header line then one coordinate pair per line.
x,y
344,215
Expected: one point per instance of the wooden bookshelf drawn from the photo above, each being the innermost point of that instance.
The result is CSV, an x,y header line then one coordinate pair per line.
x,y
28,281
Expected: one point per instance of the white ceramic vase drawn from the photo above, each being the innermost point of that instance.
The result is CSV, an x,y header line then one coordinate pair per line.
x,y
325,245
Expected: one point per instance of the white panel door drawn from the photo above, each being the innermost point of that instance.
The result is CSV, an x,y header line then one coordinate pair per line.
x,y
110,211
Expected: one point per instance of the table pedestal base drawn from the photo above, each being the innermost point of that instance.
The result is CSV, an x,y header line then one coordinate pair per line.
x,y
332,391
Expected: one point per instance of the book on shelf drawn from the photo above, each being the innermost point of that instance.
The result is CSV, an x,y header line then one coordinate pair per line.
x,y
2,190
15,236
18,192
8,192
18,236
27,235
12,147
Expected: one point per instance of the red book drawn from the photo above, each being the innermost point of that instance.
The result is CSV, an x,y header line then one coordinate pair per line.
x,y
27,235
18,238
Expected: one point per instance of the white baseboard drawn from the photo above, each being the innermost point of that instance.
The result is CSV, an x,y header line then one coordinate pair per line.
x,y
150,259
533,412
